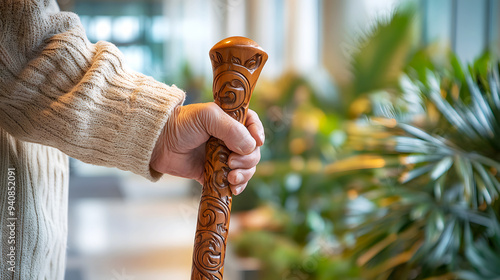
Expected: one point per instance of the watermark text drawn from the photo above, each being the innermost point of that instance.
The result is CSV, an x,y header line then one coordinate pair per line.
x,y
11,219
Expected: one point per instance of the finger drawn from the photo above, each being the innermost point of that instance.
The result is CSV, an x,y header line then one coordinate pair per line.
x,y
255,127
234,134
236,161
236,190
240,176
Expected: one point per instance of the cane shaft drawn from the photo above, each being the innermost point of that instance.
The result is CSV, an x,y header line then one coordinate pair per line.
x,y
237,63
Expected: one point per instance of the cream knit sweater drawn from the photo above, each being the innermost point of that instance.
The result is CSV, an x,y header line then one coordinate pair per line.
x,y
61,95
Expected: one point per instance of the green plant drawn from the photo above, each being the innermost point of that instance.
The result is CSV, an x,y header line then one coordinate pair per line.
x,y
440,217
305,133
403,183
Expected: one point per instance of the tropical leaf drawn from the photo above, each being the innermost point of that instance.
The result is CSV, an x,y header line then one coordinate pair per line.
x,y
453,162
469,143
382,54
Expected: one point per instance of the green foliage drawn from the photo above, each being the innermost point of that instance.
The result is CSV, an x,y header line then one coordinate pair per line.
x,y
281,258
381,55
305,132
407,190
301,137
444,204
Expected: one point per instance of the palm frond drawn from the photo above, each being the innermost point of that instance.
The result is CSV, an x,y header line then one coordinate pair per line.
x,y
453,161
469,142
381,55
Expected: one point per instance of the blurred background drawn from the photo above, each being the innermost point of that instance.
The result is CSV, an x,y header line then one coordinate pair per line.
x,y
382,120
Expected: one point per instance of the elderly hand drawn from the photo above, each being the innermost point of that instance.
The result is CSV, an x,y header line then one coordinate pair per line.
x,y
180,149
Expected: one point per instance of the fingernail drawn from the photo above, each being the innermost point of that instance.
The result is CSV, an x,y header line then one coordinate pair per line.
x,y
233,164
262,137
238,190
239,178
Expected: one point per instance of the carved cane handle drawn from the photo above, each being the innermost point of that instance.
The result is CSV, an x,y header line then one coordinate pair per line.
x,y
237,63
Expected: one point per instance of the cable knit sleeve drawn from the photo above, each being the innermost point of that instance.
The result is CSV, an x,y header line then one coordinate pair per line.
x,y
58,89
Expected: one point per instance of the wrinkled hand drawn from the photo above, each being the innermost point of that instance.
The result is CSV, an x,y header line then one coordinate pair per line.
x,y
180,149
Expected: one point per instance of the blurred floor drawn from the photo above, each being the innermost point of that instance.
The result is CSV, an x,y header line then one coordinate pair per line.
x,y
124,227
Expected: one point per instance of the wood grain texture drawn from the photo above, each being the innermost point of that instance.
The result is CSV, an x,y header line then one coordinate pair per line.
x,y
237,63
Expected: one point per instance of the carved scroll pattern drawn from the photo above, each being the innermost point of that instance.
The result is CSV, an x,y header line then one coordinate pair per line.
x,y
213,216
232,93
237,63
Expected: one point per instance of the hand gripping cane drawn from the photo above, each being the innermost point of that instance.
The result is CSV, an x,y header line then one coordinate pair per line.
x,y
236,63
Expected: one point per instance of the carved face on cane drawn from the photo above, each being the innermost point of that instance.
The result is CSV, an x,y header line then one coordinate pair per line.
x,y
237,63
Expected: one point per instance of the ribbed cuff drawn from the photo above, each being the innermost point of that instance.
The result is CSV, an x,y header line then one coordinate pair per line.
x,y
154,104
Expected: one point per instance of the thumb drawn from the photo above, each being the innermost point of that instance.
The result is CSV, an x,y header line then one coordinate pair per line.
x,y
234,134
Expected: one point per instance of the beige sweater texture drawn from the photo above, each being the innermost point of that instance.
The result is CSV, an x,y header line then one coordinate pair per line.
x,y
61,95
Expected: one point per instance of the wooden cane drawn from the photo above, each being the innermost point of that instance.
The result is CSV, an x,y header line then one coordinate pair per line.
x,y
236,63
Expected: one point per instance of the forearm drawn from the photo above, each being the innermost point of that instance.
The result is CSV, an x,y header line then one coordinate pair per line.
x,y
76,96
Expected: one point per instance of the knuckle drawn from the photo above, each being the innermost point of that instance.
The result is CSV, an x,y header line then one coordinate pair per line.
x,y
226,127
210,110
212,107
